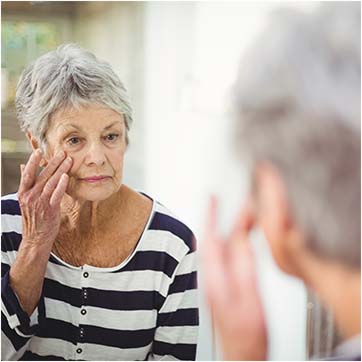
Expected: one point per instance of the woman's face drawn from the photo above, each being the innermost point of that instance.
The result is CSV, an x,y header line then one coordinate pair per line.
x,y
94,136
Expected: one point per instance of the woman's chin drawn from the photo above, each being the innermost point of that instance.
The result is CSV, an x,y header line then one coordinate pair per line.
x,y
92,194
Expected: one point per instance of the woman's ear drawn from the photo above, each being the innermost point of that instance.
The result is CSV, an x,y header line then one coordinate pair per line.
x,y
275,218
34,143
32,140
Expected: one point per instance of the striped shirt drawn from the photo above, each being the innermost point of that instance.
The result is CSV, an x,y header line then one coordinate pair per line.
x,y
146,308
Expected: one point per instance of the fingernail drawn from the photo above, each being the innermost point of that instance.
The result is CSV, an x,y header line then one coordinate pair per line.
x,y
60,154
68,159
38,151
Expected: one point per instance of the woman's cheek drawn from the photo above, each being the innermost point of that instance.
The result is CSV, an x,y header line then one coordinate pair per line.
x,y
119,166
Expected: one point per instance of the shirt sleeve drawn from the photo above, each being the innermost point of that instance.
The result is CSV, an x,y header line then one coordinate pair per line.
x,y
17,327
178,319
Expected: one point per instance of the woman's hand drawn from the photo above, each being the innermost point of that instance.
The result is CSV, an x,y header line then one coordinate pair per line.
x,y
40,197
231,289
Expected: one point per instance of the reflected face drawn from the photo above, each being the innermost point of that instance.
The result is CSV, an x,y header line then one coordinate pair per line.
x,y
94,137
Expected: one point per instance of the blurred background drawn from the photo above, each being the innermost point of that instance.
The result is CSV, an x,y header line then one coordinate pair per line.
x,y
178,61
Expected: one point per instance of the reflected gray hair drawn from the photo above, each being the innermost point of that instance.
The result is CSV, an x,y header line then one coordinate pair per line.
x,y
297,104
67,77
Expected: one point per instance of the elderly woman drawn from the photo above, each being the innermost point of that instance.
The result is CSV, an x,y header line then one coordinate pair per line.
x,y
298,121
91,269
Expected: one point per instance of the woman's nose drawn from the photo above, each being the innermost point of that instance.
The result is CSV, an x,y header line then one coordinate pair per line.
x,y
95,155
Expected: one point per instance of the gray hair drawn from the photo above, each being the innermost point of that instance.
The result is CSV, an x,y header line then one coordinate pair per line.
x,y
67,77
297,104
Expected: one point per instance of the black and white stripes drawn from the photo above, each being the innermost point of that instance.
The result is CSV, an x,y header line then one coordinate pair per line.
x,y
145,308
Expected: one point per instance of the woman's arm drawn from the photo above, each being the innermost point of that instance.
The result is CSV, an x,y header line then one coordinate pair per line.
x,y
39,200
22,280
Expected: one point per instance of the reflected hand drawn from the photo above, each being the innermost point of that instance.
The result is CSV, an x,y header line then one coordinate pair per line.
x,y
231,289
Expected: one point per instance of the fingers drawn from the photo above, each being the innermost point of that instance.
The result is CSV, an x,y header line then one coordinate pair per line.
x,y
28,174
245,221
211,221
231,286
229,266
59,191
49,170
53,181
49,179
211,235
240,257
215,284
213,260
242,270
212,214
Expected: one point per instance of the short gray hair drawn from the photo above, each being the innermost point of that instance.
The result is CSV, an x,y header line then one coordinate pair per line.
x,y
297,104
67,77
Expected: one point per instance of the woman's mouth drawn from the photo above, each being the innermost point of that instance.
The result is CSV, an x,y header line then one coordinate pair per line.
x,y
95,178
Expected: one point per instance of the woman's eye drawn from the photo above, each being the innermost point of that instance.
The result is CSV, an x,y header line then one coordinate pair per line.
x,y
73,141
112,137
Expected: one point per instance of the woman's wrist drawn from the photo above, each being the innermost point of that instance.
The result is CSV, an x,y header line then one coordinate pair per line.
x,y
35,248
27,274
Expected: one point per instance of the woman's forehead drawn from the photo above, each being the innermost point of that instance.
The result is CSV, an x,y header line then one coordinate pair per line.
x,y
86,117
